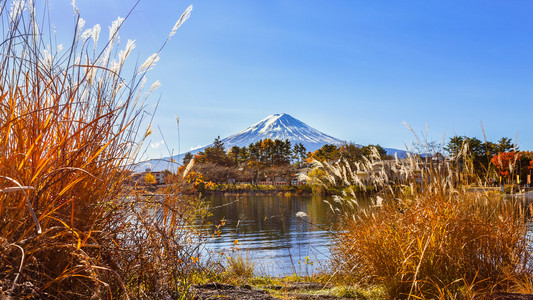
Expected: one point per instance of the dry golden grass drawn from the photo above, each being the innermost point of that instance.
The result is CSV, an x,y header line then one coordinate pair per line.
x,y
69,126
425,235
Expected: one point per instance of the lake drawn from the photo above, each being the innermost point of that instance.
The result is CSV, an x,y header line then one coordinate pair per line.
x,y
269,232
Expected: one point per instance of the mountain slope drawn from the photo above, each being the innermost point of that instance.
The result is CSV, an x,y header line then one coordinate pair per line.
x,y
281,127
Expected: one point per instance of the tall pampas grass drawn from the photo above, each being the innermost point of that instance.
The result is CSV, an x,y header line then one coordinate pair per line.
x,y
423,233
70,120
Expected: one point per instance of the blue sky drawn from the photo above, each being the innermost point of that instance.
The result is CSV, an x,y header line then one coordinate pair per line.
x,y
355,70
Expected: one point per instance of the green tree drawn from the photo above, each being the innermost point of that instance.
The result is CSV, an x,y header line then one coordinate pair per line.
x,y
300,153
253,151
215,154
328,152
218,144
187,158
281,153
505,145
235,154
367,150
455,145
244,154
477,154
266,150
351,151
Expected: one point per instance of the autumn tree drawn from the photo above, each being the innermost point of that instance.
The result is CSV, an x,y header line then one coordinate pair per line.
x,y
196,183
328,152
216,173
477,154
505,162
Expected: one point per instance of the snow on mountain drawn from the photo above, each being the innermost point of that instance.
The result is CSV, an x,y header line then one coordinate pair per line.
x,y
281,127
277,126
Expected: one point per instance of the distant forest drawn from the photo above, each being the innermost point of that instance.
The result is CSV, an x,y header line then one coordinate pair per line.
x,y
265,160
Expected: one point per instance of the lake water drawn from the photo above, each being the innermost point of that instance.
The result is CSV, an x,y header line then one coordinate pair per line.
x,y
269,232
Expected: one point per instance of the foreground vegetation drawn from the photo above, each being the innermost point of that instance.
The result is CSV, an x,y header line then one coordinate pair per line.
x,y
70,121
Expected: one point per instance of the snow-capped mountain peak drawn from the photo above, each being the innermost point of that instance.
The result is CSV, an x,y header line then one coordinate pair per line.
x,y
282,127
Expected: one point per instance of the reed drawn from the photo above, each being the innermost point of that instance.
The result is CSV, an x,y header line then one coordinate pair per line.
x,y
424,234
70,124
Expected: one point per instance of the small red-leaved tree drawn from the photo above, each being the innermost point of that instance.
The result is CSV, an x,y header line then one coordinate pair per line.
x,y
505,162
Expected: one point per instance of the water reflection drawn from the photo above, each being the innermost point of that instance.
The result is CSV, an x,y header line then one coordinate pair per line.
x,y
270,233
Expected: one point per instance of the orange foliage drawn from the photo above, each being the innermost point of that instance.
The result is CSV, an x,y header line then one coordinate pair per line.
x,y
198,182
266,144
505,161
195,178
200,158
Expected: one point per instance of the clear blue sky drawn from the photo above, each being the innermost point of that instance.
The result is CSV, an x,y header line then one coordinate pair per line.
x,y
353,69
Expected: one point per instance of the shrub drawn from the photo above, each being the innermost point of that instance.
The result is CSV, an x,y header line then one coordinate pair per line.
x,y
240,266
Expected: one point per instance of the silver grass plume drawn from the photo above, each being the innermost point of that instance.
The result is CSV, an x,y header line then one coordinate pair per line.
x,y
181,20
188,168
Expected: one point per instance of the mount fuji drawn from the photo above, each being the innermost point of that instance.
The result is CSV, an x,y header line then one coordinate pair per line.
x,y
276,126
281,127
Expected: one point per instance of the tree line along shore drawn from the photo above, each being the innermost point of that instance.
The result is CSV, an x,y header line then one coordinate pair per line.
x,y
276,166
